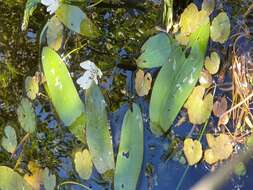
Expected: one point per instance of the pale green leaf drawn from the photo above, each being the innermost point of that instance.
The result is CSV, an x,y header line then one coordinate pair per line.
x,y
9,141
97,130
220,28
193,151
31,87
49,180
76,20
208,6
212,63
26,116
130,154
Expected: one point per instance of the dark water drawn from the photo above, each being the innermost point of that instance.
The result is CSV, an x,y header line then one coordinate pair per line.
x,y
124,31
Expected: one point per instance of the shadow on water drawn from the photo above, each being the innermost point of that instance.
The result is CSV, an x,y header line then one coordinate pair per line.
x,y
124,31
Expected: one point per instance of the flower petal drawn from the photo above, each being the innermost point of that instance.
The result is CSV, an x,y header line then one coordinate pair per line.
x,y
47,2
85,80
88,65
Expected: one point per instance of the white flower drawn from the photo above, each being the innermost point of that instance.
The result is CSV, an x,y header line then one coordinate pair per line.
x,y
52,5
90,75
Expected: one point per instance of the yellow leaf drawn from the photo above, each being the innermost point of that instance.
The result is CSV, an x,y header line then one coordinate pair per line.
x,y
35,179
212,63
199,108
205,79
83,164
209,156
192,151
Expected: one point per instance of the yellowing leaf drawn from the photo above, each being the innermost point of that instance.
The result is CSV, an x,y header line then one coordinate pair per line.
x,y
40,177
83,164
199,109
192,151
220,28
191,19
205,79
212,63
220,148
208,6
142,83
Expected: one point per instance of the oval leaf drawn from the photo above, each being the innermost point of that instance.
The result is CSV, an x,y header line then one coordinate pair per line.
x,y
9,141
220,28
130,154
76,20
97,131
212,63
31,87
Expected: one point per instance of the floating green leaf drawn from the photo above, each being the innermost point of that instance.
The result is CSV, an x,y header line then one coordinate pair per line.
x,y
212,63
30,6
156,51
199,108
175,82
220,28
54,33
49,180
9,141
61,89
83,164
130,154
11,180
31,87
97,131
26,116
75,19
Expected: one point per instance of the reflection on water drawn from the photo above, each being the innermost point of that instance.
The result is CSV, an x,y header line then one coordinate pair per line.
x,y
124,31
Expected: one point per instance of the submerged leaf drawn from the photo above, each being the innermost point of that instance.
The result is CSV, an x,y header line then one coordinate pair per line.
x,y
220,28
142,83
54,33
199,108
31,87
9,141
11,180
192,151
76,20
97,130
212,63
220,106
83,164
156,51
26,116
30,6
130,154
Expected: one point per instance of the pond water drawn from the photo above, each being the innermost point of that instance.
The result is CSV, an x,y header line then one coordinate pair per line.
x,y
124,28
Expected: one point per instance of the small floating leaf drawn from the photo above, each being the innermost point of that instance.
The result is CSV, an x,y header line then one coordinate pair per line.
x,y
54,33
61,88
208,6
220,148
193,151
30,6
26,116
9,141
220,28
83,164
11,180
130,154
76,20
199,108
97,131
240,169
142,83
220,106
205,79
156,51
212,63
31,87
49,180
